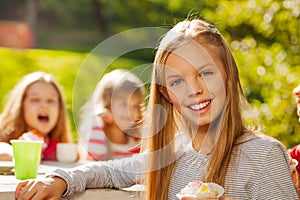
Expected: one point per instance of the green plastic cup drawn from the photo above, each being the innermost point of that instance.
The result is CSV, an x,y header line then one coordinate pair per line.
x,y
27,157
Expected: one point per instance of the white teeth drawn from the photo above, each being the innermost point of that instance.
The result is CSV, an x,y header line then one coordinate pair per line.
x,y
200,106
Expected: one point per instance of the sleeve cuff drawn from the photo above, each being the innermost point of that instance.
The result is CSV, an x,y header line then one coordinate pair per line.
x,y
66,177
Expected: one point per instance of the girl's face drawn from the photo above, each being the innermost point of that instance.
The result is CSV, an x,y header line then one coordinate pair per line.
x,y
195,80
41,107
126,110
297,94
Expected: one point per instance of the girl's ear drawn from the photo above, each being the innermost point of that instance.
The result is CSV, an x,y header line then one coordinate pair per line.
x,y
164,92
107,118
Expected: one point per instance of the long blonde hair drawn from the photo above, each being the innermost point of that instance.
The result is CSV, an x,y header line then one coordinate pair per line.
x,y
207,36
12,121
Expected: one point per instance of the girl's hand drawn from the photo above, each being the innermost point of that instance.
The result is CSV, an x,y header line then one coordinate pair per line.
x,y
224,197
46,188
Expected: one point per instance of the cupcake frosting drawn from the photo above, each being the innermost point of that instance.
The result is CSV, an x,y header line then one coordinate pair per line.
x,y
199,189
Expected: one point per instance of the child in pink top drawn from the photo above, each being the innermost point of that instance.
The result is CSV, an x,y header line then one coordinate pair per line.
x,y
295,151
35,103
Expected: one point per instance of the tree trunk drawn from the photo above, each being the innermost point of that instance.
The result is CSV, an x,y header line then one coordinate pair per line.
x,y
31,16
100,16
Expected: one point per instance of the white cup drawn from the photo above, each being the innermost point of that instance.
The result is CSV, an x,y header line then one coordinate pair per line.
x,y
66,152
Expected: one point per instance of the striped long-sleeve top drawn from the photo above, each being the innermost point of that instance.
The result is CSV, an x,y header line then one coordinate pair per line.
x,y
99,147
259,169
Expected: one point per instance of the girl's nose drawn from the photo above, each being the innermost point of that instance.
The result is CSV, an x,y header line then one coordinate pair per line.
x,y
43,103
196,86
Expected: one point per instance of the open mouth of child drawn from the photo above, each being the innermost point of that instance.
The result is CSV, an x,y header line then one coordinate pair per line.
x,y
43,118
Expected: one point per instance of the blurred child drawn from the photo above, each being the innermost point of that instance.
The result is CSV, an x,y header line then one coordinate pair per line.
x,y
35,107
294,152
110,120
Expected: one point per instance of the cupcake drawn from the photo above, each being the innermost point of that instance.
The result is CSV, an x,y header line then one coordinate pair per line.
x,y
200,190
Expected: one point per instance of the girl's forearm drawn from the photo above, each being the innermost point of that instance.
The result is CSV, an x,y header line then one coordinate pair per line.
x,y
109,174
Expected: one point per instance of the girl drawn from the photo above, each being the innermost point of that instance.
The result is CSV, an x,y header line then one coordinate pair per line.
x,y
35,105
107,133
195,91
294,152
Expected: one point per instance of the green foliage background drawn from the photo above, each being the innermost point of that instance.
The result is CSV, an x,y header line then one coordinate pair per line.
x,y
263,35
265,39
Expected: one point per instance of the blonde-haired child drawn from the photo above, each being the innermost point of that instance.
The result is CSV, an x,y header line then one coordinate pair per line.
x,y
196,91
36,104
110,120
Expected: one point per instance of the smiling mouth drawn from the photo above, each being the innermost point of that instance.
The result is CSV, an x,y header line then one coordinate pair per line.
x,y
201,105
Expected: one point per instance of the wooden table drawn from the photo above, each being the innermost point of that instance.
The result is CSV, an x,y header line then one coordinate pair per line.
x,y
8,185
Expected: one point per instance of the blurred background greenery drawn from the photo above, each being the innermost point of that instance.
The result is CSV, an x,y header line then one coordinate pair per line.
x,y
263,34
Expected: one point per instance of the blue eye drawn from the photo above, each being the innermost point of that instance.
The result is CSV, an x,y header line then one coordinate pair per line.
x,y
206,73
176,82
